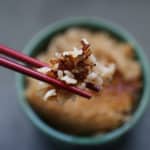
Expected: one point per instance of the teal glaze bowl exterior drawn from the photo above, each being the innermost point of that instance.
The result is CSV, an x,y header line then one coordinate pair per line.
x,y
39,43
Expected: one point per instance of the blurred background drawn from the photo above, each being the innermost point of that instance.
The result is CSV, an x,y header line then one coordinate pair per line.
x,y
20,20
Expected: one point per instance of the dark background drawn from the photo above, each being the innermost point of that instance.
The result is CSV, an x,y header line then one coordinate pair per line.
x,y
20,20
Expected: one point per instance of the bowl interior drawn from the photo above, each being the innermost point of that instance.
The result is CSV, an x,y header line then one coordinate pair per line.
x,y
40,42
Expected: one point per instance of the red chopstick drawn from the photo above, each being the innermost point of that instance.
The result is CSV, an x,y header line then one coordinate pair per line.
x,y
20,56
32,73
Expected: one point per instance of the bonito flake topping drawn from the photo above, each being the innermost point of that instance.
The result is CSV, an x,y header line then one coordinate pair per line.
x,y
77,68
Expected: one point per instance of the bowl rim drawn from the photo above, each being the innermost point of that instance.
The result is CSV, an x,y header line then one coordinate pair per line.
x,y
90,140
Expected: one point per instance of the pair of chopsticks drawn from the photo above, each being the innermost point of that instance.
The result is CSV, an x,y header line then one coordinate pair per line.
x,y
7,63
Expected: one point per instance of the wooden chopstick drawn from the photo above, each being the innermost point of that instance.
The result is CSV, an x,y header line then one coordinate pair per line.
x,y
35,74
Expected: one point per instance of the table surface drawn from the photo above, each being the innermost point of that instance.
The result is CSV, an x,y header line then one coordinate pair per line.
x,y
20,20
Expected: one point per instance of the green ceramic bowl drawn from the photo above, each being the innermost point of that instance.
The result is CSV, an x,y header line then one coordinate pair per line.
x,y
39,43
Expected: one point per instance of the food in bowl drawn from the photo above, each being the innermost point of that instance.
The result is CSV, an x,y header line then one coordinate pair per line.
x,y
77,67
107,109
